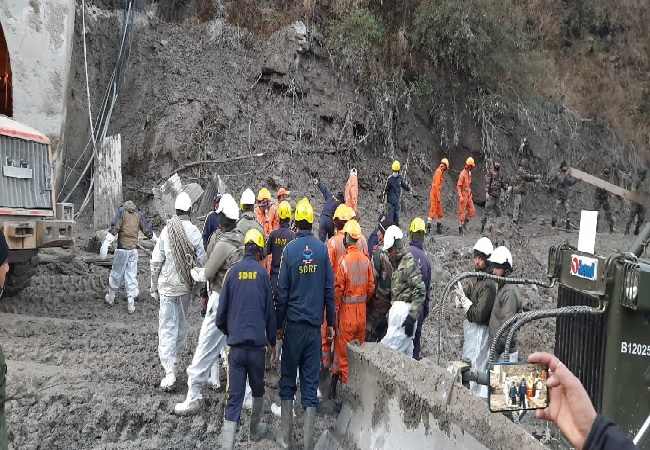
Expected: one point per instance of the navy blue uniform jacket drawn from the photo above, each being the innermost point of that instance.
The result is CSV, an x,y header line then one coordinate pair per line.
x,y
245,313
278,239
393,189
306,282
331,201
210,225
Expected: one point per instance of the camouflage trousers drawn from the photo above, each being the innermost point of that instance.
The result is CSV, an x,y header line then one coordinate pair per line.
x,y
636,210
492,207
564,204
517,199
604,203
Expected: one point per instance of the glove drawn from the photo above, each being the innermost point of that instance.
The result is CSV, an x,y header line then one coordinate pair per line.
x,y
155,295
198,274
465,303
154,238
409,325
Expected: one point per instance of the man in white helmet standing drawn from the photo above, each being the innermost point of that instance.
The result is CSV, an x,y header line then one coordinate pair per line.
x,y
224,250
178,250
248,219
507,302
477,302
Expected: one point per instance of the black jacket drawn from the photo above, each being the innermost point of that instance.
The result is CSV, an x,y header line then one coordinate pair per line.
x,y
605,435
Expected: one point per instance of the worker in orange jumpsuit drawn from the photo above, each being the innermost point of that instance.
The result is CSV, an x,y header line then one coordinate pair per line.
x,y
435,211
464,189
354,283
351,193
283,195
263,210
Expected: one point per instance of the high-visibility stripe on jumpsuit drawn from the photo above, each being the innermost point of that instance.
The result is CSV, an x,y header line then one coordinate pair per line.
x,y
354,283
336,250
435,210
465,202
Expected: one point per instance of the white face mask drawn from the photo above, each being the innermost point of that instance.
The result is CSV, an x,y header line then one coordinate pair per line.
x,y
395,174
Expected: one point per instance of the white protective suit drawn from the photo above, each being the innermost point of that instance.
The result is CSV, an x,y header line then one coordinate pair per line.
x,y
125,266
175,296
476,348
396,337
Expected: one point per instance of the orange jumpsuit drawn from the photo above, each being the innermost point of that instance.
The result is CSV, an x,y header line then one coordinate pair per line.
x,y
273,214
465,202
435,210
351,194
354,283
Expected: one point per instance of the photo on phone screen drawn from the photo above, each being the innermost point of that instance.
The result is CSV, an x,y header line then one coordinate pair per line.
x,y
517,386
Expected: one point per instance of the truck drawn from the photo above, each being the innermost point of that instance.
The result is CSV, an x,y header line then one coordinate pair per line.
x,y
30,217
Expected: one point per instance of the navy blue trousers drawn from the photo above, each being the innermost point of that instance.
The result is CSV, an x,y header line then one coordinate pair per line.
x,y
301,349
325,228
243,363
392,212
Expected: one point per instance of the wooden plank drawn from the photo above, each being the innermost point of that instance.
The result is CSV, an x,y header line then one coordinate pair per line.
x,y
595,181
108,181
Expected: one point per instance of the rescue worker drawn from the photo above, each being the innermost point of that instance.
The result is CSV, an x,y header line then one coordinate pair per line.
x,y
407,286
248,218
563,181
126,224
332,201
4,269
477,302
351,193
211,223
393,191
277,241
519,189
283,195
178,250
464,190
416,248
495,184
263,211
379,303
522,393
373,240
305,291
247,317
507,302
353,285
224,250
435,196
601,199
637,209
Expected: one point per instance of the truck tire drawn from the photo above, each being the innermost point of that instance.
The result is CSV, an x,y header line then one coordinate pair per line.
x,y
20,276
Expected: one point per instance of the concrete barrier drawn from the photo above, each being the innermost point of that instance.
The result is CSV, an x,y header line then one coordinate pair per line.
x,y
397,402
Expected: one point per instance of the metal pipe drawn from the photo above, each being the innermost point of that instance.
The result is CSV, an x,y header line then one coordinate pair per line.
x,y
641,241
642,431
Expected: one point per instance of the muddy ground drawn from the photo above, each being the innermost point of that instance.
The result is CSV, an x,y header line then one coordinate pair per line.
x,y
83,375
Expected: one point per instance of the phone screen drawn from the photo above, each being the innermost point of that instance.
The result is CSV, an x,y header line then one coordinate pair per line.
x,y
517,386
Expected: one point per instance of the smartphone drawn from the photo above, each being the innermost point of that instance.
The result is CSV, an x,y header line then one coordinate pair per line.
x,y
517,386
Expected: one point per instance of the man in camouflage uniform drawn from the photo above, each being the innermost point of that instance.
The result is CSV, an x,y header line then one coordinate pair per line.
x,y
602,200
519,189
637,209
494,183
563,181
379,303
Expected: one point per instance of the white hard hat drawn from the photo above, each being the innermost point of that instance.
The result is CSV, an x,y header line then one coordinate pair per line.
x,y
183,202
484,245
248,197
228,206
501,255
393,232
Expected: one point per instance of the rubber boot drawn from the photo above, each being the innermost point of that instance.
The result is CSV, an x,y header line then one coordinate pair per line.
x,y
286,421
439,228
627,230
110,297
309,427
611,227
553,222
335,381
257,430
568,225
131,305
428,227
483,225
636,230
460,229
228,434
214,381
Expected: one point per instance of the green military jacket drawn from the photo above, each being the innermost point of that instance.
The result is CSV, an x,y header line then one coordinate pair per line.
x,y
407,284
482,294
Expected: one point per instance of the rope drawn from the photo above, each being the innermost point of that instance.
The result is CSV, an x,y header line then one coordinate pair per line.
x,y
464,275
182,250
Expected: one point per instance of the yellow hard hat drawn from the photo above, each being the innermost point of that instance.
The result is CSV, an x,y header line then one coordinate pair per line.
x,y
342,213
445,161
284,210
253,236
417,225
470,162
396,166
264,194
353,228
352,212
304,211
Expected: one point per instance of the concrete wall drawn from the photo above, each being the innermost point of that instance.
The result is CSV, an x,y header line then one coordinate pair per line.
x,y
401,403
39,36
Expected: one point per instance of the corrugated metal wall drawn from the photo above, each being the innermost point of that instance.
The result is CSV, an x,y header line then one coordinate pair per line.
x,y
31,193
